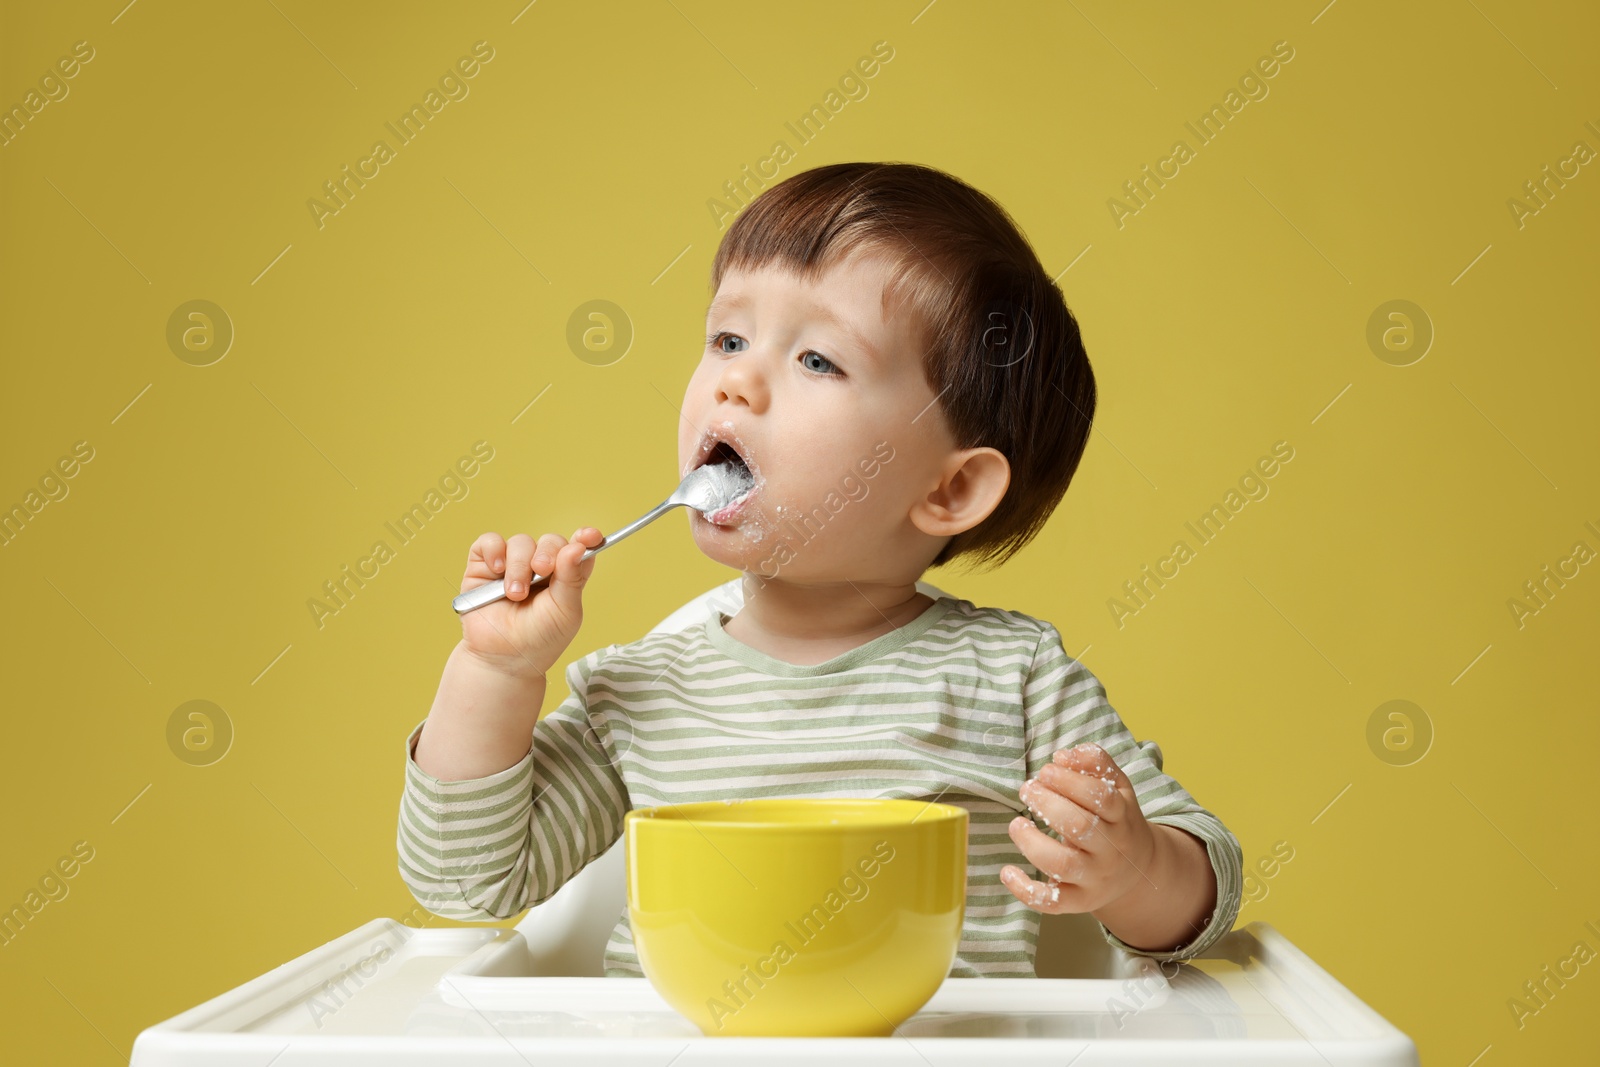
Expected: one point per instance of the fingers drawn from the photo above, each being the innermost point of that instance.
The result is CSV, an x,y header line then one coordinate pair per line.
x,y
526,558
519,566
544,555
1065,867
1082,795
1091,778
487,557
1064,859
1054,897
1089,795
1077,821
1089,758
570,575
521,559
586,537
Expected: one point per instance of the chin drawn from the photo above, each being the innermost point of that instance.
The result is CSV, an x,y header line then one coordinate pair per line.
x,y
743,546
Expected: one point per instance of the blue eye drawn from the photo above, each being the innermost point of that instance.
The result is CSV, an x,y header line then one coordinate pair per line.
x,y
820,356
715,340
828,368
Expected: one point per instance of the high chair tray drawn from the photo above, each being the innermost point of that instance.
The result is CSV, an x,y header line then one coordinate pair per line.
x,y
386,993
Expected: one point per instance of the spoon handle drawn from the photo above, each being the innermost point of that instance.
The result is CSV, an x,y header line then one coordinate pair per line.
x,y
489,592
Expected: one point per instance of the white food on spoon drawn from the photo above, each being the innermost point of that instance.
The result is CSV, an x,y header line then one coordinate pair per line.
x,y
729,475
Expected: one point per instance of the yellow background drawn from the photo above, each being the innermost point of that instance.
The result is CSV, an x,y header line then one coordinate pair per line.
x,y
1228,314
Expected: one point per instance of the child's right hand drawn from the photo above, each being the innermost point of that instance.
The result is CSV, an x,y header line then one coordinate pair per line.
x,y
521,635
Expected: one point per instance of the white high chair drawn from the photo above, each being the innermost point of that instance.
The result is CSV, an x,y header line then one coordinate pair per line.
x,y
567,933
387,994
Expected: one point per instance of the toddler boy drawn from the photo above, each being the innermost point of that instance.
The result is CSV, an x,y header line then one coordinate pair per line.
x,y
886,354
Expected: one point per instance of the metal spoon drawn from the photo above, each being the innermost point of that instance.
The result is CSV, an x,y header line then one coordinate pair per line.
x,y
707,489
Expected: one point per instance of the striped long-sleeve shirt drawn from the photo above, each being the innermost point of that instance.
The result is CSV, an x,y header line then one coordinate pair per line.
x,y
958,706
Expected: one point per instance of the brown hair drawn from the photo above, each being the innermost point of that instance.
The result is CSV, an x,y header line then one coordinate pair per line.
x,y
1002,351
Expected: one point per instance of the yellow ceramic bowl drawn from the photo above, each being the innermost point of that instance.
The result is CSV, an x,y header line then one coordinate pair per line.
x,y
797,916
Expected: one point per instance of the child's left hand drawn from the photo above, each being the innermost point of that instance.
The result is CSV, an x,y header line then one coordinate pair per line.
x,y
1107,847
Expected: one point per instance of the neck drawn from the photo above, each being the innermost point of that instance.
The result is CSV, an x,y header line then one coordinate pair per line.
x,y
828,611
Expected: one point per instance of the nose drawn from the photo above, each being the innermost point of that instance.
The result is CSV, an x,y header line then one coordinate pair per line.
x,y
740,377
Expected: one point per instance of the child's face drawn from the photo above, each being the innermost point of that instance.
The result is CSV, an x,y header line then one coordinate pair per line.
x,y
834,418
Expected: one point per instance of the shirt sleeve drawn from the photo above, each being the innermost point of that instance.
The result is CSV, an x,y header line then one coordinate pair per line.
x,y
482,849
1065,705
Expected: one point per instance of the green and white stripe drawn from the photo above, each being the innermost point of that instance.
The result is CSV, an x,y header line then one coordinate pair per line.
x,y
958,706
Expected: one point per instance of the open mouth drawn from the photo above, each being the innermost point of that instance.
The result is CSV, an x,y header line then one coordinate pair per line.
x,y
724,452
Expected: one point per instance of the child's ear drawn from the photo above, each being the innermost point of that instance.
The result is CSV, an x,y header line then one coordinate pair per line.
x,y
973,483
